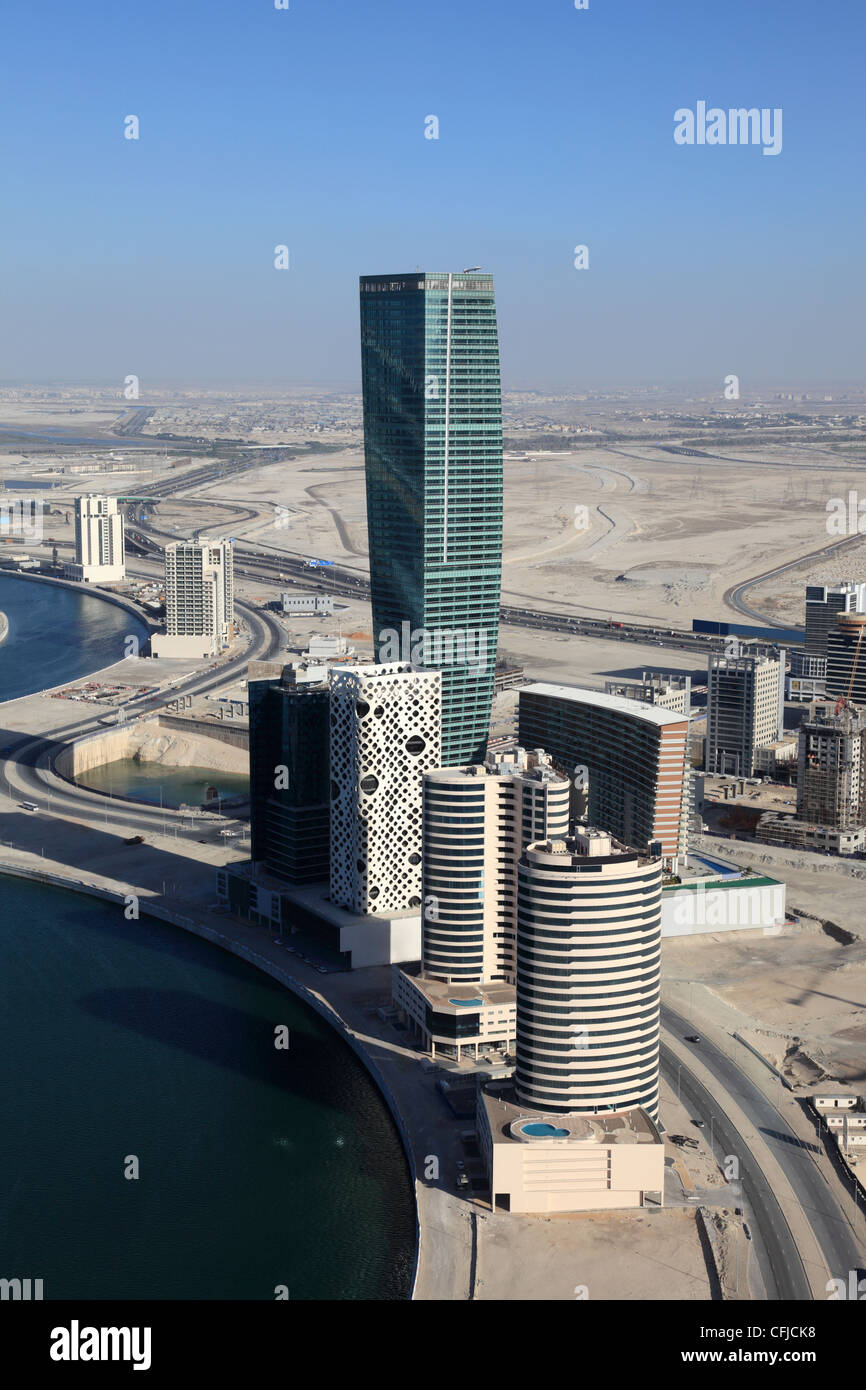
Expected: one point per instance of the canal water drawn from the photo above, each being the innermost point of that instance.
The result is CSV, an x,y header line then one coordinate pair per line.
x,y
57,635
257,1167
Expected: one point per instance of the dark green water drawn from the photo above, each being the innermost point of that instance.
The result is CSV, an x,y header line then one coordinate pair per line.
x,y
257,1167
178,786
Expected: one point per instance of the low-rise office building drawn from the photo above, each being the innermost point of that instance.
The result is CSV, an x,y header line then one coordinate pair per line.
x,y
456,1020
293,602
540,1162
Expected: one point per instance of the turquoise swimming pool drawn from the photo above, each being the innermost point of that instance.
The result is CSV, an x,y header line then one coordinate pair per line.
x,y
543,1131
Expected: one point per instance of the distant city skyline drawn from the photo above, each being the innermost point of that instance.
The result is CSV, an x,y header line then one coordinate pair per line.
x,y
524,134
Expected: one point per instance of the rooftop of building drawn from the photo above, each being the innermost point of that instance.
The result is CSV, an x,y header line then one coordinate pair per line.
x,y
839,716
483,277
375,671
512,1123
618,704
532,763
744,662
588,843
445,998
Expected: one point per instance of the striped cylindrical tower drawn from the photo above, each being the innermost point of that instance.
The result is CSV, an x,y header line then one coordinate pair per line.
x,y
588,976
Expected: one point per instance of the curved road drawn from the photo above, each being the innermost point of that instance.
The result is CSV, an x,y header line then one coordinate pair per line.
x,y
27,776
842,1250
781,1266
733,597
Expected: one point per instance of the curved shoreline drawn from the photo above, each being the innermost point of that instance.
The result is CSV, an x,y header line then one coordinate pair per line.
x,y
318,1004
119,600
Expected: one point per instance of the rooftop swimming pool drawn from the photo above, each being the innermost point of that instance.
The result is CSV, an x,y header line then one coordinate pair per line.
x,y
544,1131
466,1003
725,870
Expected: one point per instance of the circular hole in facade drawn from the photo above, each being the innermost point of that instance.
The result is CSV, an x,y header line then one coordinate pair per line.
x,y
369,784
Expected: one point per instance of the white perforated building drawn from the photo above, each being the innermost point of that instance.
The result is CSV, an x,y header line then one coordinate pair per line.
x,y
386,732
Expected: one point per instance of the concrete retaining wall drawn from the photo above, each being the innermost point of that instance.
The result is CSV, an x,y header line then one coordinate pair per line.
x,y
235,735
125,741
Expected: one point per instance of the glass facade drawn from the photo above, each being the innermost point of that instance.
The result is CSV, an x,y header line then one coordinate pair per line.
x,y
433,451
289,780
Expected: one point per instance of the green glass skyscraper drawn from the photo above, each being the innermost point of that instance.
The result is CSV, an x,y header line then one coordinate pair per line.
x,y
433,451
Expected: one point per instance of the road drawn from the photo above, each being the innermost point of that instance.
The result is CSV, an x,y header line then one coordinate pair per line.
x,y
26,775
781,1267
733,597
842,1250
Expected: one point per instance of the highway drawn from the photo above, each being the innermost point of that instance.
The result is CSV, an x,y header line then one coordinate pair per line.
x,y
340,580
842,1250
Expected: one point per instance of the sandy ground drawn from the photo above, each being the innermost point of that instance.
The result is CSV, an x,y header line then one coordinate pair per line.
x,y
640,1255
799,996
626,530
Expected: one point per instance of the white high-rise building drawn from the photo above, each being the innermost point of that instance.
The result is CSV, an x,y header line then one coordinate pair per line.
x,y
588,974
99,548
386,732
477,822
199,599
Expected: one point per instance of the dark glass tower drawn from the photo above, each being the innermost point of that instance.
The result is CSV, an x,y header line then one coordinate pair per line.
x,y
289,778
433,450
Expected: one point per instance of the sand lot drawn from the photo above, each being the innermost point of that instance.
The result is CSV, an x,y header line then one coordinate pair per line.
x,y
799,996
625,530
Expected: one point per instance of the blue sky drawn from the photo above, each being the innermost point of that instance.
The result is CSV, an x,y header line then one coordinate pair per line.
x,y
305,127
